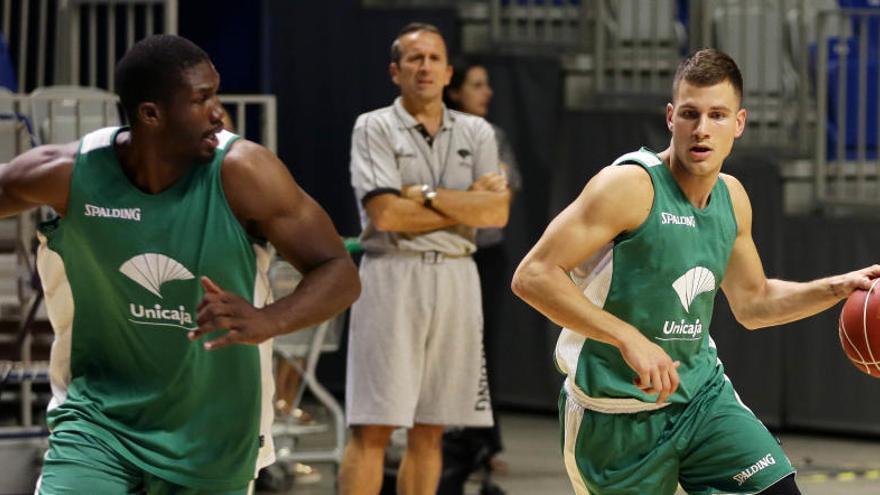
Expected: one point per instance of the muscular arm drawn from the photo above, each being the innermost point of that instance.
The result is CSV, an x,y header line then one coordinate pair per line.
x,y
263,195
616,200
40,176
757,301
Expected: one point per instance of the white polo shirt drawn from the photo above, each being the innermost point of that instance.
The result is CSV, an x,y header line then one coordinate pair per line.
x,y
389,151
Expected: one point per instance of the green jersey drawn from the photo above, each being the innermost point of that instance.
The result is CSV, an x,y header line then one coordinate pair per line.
x,y
662,279
121,275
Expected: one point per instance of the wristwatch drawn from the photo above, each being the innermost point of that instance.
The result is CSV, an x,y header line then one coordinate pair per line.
x,y
428,194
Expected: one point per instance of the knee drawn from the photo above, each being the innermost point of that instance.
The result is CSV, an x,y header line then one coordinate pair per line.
x,y
371,436
425,437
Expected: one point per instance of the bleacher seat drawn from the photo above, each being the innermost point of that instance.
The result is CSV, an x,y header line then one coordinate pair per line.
x,y
7,70
55,110
849,48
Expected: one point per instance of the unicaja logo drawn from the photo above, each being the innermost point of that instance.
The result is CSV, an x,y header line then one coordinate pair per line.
x,y
150,271
694,282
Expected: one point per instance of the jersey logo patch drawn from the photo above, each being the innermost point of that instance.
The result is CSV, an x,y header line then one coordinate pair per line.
x,y
151,270
694,282
133,214
684,220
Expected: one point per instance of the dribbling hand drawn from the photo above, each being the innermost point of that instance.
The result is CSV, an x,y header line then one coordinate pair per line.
x,y
220,309
843,285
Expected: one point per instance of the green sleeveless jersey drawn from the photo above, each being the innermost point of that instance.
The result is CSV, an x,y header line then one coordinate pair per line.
x,y
662,279
121,275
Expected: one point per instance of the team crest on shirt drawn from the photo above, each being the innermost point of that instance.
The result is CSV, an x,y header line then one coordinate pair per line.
x,y
151,271
696,281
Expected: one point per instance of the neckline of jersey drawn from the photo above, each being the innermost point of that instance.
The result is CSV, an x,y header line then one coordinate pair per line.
x,y
712,195
182,182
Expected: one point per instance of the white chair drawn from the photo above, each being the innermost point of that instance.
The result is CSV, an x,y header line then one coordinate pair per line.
x,y
62,114
308,344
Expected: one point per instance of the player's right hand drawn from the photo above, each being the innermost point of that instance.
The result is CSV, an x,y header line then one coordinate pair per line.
x,y
656,372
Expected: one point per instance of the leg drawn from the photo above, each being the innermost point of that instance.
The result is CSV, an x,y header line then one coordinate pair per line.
x,y
287,384
157,486
361,470
283,384
731,451
619,454
785,486
420,469
78,463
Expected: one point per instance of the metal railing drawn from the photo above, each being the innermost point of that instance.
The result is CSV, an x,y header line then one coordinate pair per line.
x,y
249,109
847,137
637,44
552,24
125,21
769,41
78,41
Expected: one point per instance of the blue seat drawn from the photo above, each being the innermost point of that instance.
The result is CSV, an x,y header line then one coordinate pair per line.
x,y
7,70
850,120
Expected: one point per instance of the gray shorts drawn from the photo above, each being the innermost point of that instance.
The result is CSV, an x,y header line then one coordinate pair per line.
x,y
415,348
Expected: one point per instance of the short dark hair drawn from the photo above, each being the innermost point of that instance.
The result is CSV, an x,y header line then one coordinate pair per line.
x,y
411,28
708,67
151,70
460,68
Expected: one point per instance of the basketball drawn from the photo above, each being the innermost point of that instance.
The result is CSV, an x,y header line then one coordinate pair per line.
x,y
859,329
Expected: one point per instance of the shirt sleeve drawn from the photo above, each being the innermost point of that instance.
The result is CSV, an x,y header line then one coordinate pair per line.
x,y
486,155
373,164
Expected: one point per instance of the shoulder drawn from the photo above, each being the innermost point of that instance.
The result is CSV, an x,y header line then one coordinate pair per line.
x,y
739,199
738,194
626,180
255,182
245,159
379,117
619,198
101,138
472,123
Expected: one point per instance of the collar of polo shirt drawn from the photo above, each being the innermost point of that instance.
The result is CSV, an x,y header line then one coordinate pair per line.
x,y
410,122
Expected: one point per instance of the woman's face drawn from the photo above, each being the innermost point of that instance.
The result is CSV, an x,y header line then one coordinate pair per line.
x,y
475,93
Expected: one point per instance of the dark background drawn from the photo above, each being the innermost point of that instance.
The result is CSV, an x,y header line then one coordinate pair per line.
x,y
327,62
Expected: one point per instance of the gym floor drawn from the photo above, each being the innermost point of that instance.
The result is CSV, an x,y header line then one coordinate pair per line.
x,y
827,465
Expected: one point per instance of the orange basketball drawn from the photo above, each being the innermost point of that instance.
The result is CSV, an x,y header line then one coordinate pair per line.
x,y
859,329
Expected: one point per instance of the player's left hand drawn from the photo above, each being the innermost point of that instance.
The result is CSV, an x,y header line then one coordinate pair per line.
x,y
843,285
221,309
492,182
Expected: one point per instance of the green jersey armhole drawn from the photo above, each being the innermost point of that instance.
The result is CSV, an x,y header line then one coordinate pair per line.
x,y
633,233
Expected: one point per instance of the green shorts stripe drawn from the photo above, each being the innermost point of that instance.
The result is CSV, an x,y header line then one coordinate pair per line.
x,y
570,417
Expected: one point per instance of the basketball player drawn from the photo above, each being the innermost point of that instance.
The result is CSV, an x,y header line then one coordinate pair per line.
x,y
646,404
158,295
